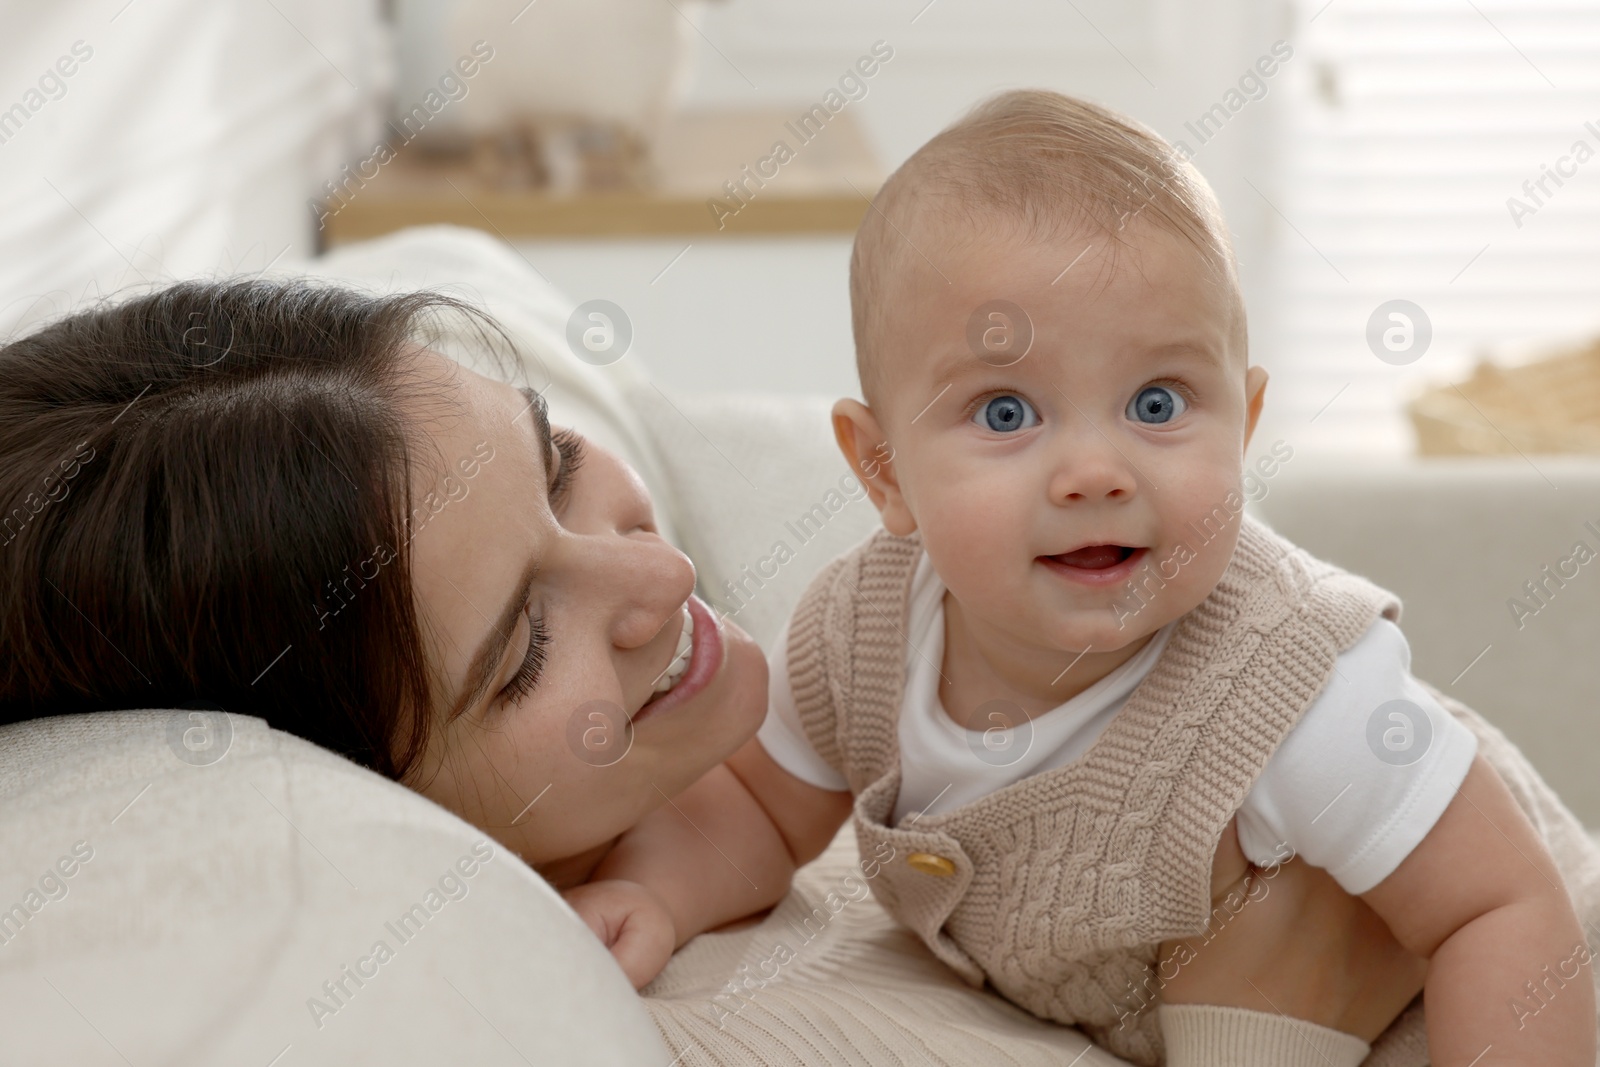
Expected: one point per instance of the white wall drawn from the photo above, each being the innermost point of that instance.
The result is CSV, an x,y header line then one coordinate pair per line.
x,y
737,314
774,314
159,163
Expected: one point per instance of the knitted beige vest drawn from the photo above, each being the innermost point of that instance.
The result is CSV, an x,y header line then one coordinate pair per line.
x,y
1065,883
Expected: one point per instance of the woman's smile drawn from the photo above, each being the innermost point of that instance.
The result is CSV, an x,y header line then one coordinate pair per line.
x,y
704,661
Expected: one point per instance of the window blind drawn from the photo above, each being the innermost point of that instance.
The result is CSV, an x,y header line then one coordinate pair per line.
x,y
1443,152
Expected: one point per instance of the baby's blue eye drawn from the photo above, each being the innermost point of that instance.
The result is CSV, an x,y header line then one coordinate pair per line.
x,y
1003,414
1157,404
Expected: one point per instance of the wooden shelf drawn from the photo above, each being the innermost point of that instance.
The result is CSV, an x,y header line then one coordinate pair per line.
x,y
822,189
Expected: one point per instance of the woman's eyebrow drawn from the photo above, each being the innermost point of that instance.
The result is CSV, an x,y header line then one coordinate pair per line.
x,y
541,428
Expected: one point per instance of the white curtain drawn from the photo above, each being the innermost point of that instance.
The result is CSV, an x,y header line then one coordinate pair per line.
x,y
147,141
1422,137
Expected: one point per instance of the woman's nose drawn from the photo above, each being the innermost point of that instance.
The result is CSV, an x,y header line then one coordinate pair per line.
x,y
648,579
649,582
629,504
632,578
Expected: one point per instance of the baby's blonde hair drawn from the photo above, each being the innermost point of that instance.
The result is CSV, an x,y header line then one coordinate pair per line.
x,y
1055,164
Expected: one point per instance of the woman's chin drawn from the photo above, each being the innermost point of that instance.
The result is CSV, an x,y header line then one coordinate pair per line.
x,y
671,752
736,704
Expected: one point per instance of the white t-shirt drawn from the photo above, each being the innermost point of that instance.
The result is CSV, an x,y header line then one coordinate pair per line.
x,y
1326,792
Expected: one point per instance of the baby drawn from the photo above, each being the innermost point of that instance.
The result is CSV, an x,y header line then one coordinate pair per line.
x,y
1070,671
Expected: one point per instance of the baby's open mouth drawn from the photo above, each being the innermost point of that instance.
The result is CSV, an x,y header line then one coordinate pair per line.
x,y
1094,557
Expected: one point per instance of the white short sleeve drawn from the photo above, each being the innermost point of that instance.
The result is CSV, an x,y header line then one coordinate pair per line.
x,y
781,733
1366,772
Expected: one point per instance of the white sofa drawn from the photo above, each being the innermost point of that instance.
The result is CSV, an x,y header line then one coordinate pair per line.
x,y
221,894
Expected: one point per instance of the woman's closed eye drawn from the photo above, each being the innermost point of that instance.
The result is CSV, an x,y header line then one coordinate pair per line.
x,y
526,678
570,454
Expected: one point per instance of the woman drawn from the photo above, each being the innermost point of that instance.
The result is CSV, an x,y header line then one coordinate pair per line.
x,y
277,498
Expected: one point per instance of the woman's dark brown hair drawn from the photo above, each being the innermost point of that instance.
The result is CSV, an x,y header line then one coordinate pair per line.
x,y
207,497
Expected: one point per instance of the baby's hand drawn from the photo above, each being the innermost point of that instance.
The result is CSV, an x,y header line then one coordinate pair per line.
x,y
631,921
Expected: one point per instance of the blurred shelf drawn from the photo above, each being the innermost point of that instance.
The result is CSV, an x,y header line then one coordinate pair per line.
x,y
822,189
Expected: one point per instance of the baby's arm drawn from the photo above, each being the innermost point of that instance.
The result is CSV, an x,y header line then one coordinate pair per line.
x,y
1481,897
724,848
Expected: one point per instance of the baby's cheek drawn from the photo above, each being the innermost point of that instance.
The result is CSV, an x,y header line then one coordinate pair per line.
x,y
982,559
1194,564
980,530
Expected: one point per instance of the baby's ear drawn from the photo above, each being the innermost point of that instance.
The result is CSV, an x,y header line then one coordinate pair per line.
x,y
871,458
1255,388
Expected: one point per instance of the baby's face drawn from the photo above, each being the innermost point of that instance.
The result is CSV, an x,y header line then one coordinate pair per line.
x,y
1123,425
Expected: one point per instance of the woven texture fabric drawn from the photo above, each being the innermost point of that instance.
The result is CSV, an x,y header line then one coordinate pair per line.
x,y
1204,1035
827,979
1065,884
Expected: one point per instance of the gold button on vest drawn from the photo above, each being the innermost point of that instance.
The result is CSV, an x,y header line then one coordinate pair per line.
x,y
928,863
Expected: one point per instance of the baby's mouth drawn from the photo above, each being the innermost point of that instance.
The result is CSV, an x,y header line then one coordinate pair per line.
x,y
1094,557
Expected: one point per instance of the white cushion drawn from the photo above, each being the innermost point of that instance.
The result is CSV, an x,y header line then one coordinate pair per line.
x,y
218,897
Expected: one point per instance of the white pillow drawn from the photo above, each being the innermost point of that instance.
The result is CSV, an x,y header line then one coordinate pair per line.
x,y
178,890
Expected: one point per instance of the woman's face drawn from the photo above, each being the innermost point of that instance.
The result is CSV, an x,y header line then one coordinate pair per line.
x,y
551,609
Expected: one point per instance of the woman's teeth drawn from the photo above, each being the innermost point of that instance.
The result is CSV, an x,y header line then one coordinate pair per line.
x,y
680,661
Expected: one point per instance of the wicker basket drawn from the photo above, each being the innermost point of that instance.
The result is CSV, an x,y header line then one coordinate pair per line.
x,y
1552,405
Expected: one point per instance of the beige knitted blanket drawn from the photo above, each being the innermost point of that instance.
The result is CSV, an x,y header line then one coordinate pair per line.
x,y
829,979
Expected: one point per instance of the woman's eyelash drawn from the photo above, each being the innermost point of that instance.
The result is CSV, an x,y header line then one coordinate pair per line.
x,y
569,446
527,677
